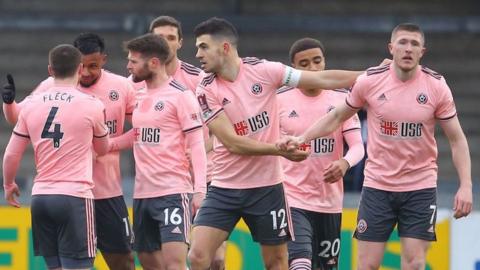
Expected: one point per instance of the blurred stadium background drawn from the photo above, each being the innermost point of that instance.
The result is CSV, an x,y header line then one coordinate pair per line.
x,y
355,34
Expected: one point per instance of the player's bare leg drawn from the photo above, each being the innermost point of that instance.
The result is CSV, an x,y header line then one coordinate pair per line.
x,y
205,242
370,254
151,260
218,262
174,256
275,257
414,253
120,261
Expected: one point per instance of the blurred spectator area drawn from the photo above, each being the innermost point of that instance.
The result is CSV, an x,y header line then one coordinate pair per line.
x,y
355,34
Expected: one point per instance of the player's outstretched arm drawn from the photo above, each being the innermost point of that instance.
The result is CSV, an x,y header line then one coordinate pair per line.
x,y
327,79
222,128
462,205
324,126
11,161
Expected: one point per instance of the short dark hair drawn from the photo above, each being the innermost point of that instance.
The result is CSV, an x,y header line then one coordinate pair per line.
x,y
409,27
64,60
167,20
89,43
305,44
149,45
217,27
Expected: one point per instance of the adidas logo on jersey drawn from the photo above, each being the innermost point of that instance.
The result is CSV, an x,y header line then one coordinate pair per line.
x,y
293,114
282,233
225,101
176,230
382,97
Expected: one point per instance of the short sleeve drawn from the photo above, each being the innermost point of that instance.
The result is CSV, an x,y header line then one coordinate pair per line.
x,y
275,71
210,106
131,100
356,99
20,128
353,123
98,120
445,108
188,112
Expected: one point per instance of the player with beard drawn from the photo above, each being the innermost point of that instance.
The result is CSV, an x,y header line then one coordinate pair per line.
x,y
165,122
118,96
404,101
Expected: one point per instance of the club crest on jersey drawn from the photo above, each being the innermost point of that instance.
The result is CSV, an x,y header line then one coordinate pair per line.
x,y
257,89
253,124
113,95
159,106
330,108
404,130
422,98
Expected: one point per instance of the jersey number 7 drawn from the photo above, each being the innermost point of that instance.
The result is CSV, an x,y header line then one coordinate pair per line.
x,y
56,135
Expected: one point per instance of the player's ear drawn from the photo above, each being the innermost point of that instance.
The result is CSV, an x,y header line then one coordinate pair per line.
x,y
226,47
180,43
50,71
390,48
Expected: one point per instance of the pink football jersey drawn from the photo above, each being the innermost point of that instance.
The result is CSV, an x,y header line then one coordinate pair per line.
x,y
251,105
160,121
304,183
61,123
118,96
402,151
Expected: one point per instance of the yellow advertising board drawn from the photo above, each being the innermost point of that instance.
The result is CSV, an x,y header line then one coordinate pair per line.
x,y
16,248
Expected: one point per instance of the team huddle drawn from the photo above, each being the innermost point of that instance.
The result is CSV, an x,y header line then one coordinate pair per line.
x,y
238,138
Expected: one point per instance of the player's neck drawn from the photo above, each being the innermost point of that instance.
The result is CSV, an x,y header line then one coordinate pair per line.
x,y
158,78
311,92
231,68
71,81
171,66
405,75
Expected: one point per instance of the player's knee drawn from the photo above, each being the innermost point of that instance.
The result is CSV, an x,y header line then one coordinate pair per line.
x,y
218,264
198,259
414,263
276,261
368,265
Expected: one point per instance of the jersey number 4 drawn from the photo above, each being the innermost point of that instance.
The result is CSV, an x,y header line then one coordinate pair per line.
x,y
56,135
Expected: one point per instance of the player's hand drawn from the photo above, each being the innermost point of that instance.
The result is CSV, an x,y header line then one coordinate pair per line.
x,y
295,155
197,200
8,90
11,194
386,61
335,171
289,143
462,205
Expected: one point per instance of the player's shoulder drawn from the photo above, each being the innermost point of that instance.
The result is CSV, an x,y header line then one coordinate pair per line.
x,y
377,71
190,69
284,89
176,85
113,78
253,61
208,80
431,73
